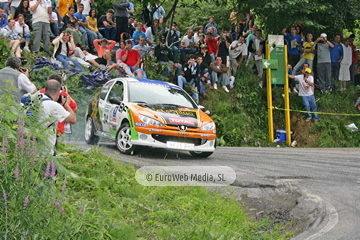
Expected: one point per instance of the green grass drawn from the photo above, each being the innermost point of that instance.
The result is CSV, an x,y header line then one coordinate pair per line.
x,y
117,206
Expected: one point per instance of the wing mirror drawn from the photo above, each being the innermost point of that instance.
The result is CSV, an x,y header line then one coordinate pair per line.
x,y
115,100
202,108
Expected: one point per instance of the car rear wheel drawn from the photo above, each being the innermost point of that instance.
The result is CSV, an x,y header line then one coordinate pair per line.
x,y
123,140
90,137
200,154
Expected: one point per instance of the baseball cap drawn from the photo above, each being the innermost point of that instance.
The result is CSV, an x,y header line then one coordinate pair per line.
x,y
308,70
323,35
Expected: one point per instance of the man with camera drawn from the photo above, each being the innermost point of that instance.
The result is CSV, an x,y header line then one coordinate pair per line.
x,y
53,112
322,47
19,78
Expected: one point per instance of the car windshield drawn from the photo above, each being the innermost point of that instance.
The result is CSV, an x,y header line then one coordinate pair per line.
x,y
159,94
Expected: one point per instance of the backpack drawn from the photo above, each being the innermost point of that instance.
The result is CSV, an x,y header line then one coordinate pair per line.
x,y
31,104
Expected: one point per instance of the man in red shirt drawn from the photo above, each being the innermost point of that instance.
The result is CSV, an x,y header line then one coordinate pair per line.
x,y
103,49
212,46
131,57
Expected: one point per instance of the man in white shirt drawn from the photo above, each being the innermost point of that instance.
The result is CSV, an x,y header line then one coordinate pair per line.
x,y
86,4
53,112
17,77
344,73
306,81
237,51
187,45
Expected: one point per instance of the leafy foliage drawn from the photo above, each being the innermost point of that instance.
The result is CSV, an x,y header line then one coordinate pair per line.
x,y
5,51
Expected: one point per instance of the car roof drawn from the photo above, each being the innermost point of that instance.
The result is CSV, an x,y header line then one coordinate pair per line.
x,y
150,81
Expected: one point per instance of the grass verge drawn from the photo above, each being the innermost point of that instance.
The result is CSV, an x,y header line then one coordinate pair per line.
x,y
116,206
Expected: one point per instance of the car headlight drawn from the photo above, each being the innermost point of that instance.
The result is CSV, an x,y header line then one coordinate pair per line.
x,y
150,121
208,127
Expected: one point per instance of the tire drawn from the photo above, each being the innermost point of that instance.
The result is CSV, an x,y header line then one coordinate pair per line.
x,y
123,140
200,154
90,137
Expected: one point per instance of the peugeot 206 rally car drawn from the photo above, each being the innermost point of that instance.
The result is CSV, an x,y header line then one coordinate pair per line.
x,y
137,112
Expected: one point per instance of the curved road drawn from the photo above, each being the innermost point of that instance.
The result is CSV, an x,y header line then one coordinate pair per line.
x,y
331,174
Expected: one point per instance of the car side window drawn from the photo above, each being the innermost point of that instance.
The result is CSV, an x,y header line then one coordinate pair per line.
x,y
117,91
104,90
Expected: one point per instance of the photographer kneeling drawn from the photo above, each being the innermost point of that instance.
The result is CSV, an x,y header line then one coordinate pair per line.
x,y
53,112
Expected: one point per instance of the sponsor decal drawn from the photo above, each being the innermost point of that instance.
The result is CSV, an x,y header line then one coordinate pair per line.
x,y
214,131
183,134
140,124
181,121
115,110
154,130
180,112
114,128
205,135
114,119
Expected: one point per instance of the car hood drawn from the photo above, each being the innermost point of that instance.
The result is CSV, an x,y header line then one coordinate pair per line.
x,y
173,115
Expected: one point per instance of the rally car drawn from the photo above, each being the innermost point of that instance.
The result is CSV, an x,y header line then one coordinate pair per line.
x,y
138,112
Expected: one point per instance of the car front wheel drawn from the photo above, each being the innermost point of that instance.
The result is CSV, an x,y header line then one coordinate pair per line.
x,y
90,137
123,140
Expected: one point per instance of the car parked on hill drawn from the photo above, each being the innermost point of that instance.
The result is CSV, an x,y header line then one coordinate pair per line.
x,y
139,112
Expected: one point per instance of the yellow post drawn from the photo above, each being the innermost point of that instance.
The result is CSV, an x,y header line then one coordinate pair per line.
x,y
287,100
269,98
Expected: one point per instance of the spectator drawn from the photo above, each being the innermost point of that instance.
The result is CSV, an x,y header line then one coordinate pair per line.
x,y
132,58
62,45
173,40
355,59
248,28
12,36
344,73
305,91
64,94
107,26
159,12
294,42
212,31
18,77
237,51
104,50
63,6
257,48
14,4
88,35
151,32
3,17
251,35
192,74
53,112
23,31
54,25
357,104
138,33
223,43
219,74
119,62
131,25
336,55
92,23
201,41
41,25
213,48
142,48
164,56
205,56
204,72
323,46
198,33
308,54
4,9
292,82
130,10
71,25
86,4
212,24
121,17
24,10
187,45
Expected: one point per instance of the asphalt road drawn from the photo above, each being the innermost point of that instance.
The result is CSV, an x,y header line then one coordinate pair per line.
x,y
333,175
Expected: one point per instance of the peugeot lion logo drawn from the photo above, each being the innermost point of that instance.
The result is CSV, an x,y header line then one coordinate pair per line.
x,y
182,128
